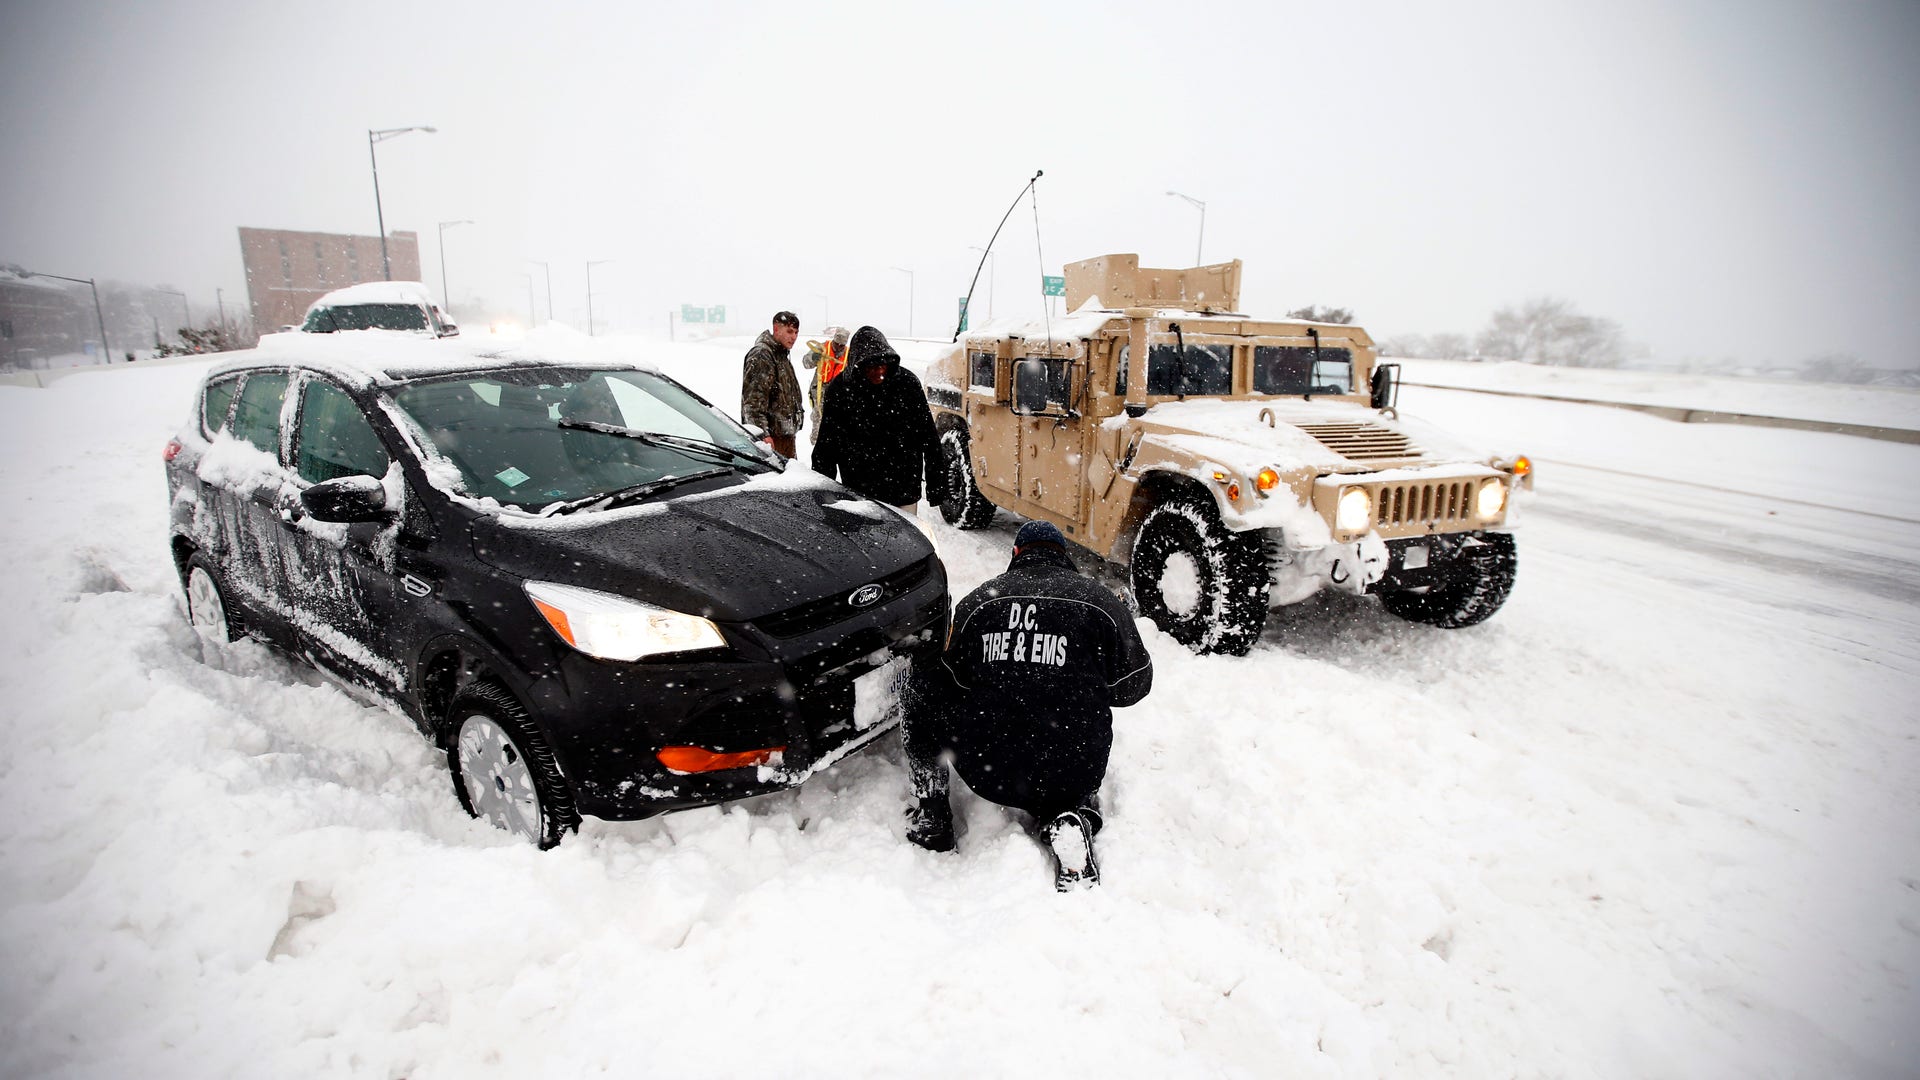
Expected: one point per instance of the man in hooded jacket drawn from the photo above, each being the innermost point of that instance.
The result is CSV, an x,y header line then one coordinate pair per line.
x,y
1036,660
876,431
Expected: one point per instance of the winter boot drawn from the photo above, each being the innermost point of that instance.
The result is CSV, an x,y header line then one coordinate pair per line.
x,y
1070,838
930,823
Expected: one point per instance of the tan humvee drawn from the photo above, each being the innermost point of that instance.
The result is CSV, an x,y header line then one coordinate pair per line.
x,y
1232,464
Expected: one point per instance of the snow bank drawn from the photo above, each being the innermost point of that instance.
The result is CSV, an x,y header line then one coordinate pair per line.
x,y
1661,816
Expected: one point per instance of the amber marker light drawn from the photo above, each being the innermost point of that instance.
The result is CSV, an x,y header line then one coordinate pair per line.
x,y
1266,480
1522,466
699,759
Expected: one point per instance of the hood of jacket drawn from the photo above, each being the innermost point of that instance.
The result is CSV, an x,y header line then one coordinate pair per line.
x,y
766,338
867,344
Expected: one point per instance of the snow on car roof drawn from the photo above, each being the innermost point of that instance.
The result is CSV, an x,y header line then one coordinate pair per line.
x,y
373,357
376,292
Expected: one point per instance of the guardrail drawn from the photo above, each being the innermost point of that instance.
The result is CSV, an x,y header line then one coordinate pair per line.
x,y
1704,416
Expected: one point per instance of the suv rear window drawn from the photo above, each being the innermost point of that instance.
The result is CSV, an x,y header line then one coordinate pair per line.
x,y
257,418
213,405
367,317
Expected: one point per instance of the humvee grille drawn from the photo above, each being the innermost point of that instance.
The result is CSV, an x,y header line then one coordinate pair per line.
x,y
1436,502
1362,441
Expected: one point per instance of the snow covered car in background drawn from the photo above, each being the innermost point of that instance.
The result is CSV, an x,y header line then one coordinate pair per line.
x,y
1232,464
405,306
588,585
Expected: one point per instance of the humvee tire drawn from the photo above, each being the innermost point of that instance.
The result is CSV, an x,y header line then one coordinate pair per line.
x,y
965,507
1199,581
1482,587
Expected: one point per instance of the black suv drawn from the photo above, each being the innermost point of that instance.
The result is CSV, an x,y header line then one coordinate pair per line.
x,y
595,590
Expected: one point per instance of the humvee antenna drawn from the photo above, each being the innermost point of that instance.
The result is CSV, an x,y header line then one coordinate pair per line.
x,y
988,250
1045,315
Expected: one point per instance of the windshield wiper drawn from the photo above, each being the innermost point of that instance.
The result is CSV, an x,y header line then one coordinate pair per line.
x,y
712,450
622,496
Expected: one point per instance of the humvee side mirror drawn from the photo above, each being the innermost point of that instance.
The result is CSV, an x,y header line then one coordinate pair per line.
x,y
1030,387
1386,386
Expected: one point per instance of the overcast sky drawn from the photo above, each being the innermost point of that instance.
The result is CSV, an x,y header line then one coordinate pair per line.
x,y
1724,179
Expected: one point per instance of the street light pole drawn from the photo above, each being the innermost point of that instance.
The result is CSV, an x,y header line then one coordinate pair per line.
x,y
991,261
185,308
1198,244
547,270
909,274
220,300
375,136
106,350
591,263
445,296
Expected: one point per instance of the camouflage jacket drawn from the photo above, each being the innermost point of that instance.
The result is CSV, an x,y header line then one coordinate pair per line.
x,y
769,392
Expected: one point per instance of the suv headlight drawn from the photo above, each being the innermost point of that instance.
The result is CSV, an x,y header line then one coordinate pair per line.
x,y
613,627
1354,512
1491,498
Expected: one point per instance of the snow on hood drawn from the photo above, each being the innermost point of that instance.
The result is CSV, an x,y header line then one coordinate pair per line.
x,y
1235,432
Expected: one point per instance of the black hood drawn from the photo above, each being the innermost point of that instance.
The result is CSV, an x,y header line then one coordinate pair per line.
x,y
730,555
867,344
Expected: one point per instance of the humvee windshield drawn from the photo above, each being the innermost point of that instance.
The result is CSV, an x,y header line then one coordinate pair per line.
x,y
1209,369
1301,369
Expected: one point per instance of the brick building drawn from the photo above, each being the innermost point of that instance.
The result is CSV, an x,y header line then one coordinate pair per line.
x,y
287,270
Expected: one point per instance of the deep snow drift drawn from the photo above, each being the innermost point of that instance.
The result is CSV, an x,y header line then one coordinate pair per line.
x,y
1659,817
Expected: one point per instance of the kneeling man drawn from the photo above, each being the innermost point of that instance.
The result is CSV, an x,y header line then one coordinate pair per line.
x,y
1022,699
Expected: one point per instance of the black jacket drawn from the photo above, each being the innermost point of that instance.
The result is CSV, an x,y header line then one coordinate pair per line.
x,y
1040,655
879,440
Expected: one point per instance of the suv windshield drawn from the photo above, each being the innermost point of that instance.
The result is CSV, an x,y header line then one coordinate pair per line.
x,y
525,437
367,317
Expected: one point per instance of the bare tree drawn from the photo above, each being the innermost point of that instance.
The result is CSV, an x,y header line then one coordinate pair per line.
x,y
1547,330
1314,313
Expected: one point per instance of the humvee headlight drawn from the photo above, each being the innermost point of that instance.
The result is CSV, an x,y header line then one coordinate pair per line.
x,y
1491,498
1354,511
1266,480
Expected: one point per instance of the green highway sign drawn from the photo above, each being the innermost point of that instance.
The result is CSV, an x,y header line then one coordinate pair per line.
x,y
1053,286
691,313
963,313
717,314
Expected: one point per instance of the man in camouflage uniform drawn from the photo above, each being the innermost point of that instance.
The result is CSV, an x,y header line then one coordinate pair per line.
x,y
769,393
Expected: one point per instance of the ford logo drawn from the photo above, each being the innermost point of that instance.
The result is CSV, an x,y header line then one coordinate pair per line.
x,y
865,595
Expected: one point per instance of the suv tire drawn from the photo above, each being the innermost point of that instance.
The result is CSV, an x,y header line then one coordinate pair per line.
x,y
208,611
503,770
965,507
1202,583
1484,583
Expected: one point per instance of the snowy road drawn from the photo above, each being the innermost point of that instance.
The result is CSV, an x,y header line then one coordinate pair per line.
x,y
1660,817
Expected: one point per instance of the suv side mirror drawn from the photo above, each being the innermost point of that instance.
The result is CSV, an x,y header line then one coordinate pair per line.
x,y
1386,386
347,499
1030,387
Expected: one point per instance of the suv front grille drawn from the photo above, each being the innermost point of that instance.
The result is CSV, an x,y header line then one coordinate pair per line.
x,y
824,612
1362,441
1434,502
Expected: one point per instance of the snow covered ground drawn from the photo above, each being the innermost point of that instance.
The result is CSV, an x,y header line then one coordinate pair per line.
x,y
1660,817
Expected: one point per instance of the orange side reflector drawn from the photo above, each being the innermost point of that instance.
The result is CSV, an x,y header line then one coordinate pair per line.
x,y
557,617
698,759
1522,465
